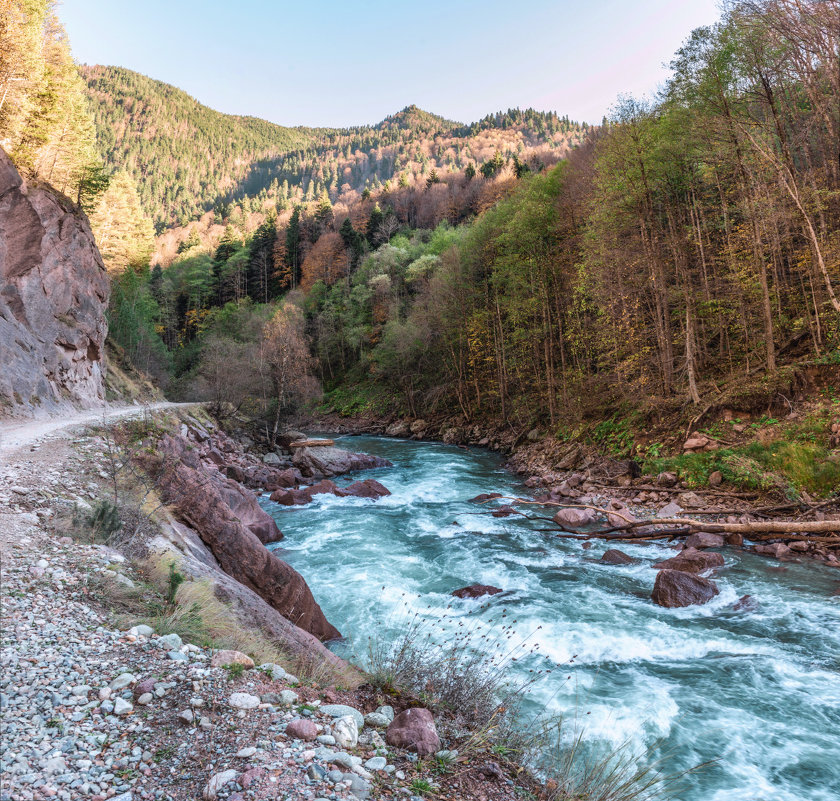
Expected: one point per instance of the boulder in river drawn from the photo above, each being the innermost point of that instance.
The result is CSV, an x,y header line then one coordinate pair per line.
x,y
613,556
674,588
369,488
476,591
331,461
691,561
575,518
704,539
484,497
777,550
291,497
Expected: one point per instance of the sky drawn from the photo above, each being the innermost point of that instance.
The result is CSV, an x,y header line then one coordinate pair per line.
x,y
332,63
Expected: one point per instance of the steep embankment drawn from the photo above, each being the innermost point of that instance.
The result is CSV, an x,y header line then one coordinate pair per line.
x,y
53,296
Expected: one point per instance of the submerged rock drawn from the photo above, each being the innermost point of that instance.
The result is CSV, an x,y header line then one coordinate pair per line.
x,y
484,497
673,588
691,561
613,556
476,591
369,488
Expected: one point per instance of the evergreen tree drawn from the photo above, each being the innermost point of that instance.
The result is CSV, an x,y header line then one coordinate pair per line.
x,y
123,232
294,255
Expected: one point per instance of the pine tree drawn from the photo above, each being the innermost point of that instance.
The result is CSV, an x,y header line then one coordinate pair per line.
x,y
123,232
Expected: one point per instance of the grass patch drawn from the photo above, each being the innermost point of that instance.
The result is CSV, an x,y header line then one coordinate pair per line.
x,y
194,613
786,467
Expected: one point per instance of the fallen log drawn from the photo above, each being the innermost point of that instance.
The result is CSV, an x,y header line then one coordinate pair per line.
x,y
312,443
754,530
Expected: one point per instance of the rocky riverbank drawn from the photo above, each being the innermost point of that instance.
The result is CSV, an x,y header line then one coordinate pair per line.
x,y
102,698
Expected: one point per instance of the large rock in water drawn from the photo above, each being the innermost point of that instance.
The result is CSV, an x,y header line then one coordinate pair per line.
x,y
200,498
691,561
674,588
53,295
324,462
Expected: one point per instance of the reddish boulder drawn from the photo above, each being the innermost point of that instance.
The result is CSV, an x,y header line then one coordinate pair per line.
x,y
674,588
504,511
283,479
691,561
735,539
575,518
244,505
484,497
302,729
143,687
414,730
613,556
291,497
476,591
323,487
704,539
369,488
778,550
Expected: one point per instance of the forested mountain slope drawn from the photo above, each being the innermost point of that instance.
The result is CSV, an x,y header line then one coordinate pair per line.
x,y
188,159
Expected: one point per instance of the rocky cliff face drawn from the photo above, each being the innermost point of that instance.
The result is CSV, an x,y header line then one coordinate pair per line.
x,y
53,295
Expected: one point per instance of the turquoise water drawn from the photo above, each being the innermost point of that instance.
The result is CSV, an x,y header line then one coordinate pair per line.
x,y
756,690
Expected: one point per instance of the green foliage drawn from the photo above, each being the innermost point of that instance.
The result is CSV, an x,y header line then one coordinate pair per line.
x,y
104,521
614,435
785,466
235,670
175,580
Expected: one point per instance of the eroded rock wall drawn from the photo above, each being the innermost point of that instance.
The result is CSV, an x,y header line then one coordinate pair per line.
x,y
53,296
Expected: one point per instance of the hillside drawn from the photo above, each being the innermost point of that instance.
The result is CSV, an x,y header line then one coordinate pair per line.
x,y
188,159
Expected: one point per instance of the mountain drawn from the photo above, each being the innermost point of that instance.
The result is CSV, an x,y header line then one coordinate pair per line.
x,y
188,159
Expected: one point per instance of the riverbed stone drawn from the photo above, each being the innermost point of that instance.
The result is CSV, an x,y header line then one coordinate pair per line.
x,y
674,588
340,710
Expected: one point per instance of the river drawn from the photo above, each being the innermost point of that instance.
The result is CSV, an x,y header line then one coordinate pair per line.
x,y
756,692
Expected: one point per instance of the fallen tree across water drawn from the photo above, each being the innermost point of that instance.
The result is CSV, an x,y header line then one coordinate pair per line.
x,y
633,529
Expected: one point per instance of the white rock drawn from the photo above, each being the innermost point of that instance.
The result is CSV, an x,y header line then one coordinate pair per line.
x,y
376,763
55,765
145,698
122,707
141,631
122,681
186,716
217,782
244,753
346,732
288,697
244,701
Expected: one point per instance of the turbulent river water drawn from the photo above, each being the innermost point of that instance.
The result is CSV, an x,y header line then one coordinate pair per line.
x,y
755,692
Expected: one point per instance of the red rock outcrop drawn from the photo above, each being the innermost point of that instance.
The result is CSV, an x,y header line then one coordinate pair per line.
x,y
200,497
53,295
